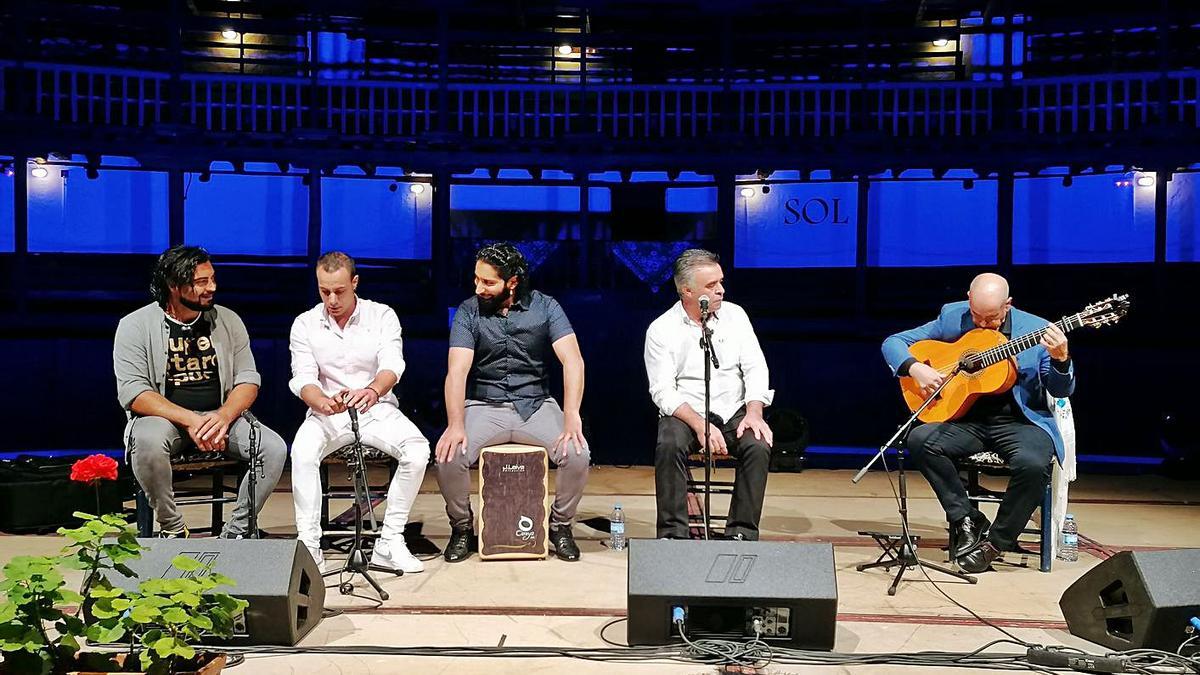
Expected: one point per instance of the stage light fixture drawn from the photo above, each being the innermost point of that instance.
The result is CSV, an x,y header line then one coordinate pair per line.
x,y
673,175
205,176
1068,180
564,50
766,189
941,42
747,192
1145,180
39,172
968,183
763,174
230,34
393,187
416,188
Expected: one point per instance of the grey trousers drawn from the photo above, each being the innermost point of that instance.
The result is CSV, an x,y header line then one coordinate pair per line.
x,y
497,423
150,443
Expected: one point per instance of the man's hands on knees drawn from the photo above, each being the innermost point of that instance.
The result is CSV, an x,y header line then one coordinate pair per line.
x,y
210,430
571,436
454,439
716,439
756,424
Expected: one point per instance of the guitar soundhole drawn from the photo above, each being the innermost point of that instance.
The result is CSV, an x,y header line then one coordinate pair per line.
x,y
968,372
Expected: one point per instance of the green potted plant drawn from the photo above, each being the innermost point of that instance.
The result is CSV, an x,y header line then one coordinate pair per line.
x,y
161,620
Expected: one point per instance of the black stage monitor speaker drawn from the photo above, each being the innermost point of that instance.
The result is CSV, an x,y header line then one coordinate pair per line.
x,y
722,586
277,577
1136,600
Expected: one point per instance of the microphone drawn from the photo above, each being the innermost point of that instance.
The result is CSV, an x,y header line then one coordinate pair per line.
x,y
704,304
353,419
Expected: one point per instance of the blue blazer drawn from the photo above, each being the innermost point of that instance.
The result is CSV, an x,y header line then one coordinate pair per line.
x,y
1035,375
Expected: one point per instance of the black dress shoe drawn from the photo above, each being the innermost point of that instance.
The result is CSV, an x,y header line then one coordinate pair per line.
x,y
459,547
966,533
564,543
980,559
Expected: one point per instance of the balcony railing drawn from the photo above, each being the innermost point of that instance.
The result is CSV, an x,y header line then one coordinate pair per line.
x,y
82,95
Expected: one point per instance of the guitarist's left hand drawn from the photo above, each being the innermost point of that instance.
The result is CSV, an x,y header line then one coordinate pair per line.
x,y
1055,342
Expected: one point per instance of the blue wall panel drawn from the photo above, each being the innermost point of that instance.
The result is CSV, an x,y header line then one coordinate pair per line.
x,y
366,219
248,215
119,212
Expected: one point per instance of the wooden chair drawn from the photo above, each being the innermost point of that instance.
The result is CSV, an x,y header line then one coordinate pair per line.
x,y
696,490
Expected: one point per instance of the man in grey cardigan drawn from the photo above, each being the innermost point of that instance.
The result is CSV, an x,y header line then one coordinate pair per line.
x,y
186,379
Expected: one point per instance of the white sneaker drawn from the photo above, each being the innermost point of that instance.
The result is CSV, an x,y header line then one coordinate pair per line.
x,y
317,556
394,555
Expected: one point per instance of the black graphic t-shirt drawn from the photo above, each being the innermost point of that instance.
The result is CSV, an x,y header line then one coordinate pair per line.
x,y
192,378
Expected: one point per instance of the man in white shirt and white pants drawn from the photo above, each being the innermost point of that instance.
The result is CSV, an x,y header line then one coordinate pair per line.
x,y
347,352
738,394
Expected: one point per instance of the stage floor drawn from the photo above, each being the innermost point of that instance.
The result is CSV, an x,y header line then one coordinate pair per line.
x,y
557,604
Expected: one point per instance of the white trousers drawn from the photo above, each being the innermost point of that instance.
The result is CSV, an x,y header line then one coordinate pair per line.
x,y
383,427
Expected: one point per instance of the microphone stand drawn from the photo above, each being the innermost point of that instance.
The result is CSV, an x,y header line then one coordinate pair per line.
x,y
357,562
901,549
257,470
710,362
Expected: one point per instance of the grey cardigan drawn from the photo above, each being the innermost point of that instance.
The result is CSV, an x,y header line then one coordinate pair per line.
x,y
140,352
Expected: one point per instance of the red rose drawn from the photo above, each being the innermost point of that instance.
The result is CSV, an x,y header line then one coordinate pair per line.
x,y
94,468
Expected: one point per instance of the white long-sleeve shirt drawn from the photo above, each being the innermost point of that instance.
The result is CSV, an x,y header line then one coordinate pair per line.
x,y
675,362
334,358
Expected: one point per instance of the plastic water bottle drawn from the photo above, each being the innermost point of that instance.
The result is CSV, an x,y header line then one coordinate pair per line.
x,y
1069,551
616,529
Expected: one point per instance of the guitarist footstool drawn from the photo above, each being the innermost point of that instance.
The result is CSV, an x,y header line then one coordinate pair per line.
x,y
514,513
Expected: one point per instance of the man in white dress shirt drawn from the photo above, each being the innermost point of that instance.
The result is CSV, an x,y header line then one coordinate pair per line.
x,y
347,352
738,394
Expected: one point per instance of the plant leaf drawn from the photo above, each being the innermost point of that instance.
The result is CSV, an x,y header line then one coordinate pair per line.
x,y
175,615
144,613
186,563
102,634
202,622
164,646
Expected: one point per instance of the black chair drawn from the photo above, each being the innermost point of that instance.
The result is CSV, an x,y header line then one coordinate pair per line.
x,y
991,464
330,537
216,494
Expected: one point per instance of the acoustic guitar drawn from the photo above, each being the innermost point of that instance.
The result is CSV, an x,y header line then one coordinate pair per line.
x,y
983,362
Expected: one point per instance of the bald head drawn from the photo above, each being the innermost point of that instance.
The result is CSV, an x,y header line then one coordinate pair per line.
x,y
989,300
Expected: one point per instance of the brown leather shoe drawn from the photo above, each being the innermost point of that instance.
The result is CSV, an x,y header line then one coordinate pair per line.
x,y
979,560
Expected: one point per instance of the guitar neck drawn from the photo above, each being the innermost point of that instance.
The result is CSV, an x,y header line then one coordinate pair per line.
x,y
1027,341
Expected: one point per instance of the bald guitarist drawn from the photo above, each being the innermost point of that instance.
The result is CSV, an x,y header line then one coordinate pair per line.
x,y
1015,424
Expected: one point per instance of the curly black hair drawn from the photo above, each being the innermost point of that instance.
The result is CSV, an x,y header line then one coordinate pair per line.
x,y
509,262
176,267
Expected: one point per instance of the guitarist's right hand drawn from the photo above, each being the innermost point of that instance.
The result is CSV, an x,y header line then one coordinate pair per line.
x,y
926,377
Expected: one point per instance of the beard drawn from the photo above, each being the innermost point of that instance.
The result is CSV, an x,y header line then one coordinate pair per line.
x,y
195,305
492,305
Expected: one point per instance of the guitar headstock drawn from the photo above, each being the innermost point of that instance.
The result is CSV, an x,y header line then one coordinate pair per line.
x,y
1105,312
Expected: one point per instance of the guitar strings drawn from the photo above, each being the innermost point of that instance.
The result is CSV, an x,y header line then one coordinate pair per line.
x,y
998,353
